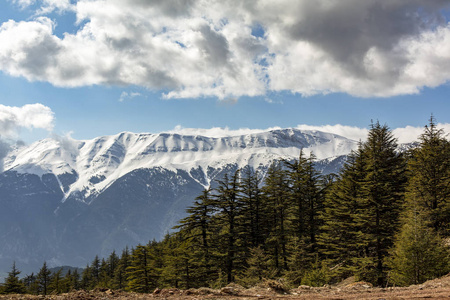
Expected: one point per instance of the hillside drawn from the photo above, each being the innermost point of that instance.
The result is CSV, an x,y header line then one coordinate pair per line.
x,y
65,201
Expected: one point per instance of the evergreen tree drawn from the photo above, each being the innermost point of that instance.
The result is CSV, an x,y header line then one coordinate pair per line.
x,y
70,281
419,254
112,263
139,272
382,197
74,280
56,282
429,183
13,285
104,274
180,270
43,279
197,223
95,271
227,204
277,193
30,282
258,267
86,279
120,277
252,214
340,239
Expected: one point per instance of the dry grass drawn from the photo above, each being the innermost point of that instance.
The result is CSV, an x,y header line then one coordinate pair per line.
x,y
433,289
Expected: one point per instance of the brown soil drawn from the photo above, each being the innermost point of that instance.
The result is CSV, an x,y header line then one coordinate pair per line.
x,y
433,289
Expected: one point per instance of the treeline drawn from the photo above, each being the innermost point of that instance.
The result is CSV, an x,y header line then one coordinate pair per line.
x,y
383,219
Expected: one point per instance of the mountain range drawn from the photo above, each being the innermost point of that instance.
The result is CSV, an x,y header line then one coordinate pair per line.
x,y
64,201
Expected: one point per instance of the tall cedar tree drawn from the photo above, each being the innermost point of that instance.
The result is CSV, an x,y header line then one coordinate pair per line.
x,y
252,208
139,272
228,206
43,279
419,254
339,240
305,207
119,280
429,183
198,228
198,222
277,193
56,282
13,285
382,197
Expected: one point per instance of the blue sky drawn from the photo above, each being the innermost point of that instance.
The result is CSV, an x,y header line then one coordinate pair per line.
x,y
193,67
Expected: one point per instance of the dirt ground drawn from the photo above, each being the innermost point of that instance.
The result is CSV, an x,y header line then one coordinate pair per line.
x,y
433,289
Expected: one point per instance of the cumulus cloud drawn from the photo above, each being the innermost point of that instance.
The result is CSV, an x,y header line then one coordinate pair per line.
x,y
47,6
350,132
12,119
406,134
209,48
217,132
128,96
29,116
4,149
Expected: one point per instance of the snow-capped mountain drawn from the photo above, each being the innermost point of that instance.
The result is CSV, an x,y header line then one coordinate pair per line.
x,y
65,201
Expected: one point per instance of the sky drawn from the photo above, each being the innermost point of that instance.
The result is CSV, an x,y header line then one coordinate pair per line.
x,y
88,68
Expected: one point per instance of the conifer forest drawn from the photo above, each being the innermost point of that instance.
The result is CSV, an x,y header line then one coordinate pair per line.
x,y
385,219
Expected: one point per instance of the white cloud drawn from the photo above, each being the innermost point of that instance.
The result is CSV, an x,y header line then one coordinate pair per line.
x,y
410,134
206,48
406,134
128,96
46,6
217,132
29,116
351,132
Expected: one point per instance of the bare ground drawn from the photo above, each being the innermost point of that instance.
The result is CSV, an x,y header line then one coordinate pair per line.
x,y
433,289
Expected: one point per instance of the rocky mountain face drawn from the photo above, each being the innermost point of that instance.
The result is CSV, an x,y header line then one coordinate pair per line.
x,y
65,201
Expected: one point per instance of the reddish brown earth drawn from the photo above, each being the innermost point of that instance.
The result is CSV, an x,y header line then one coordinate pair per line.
x,y
433,289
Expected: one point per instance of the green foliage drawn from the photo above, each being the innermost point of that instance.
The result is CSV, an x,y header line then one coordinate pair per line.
x,y
429,182
13,285
419,253
56,284
43,279
258,267
340,237
309,228
318,274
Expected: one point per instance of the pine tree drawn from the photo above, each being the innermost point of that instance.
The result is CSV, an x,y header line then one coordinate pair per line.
x,y
43,279
180,270
112,263
258,267
382,197
197,223
429,183
277,193
120,277
30,282
86,278
252,208
340,240
13,285
419,254
139,272
95,271
56,282
227,204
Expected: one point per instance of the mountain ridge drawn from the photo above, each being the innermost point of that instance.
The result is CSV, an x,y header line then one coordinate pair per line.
x,y
65,201
101,161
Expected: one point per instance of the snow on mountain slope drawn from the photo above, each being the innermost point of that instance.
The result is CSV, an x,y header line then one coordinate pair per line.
x,y
100,162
